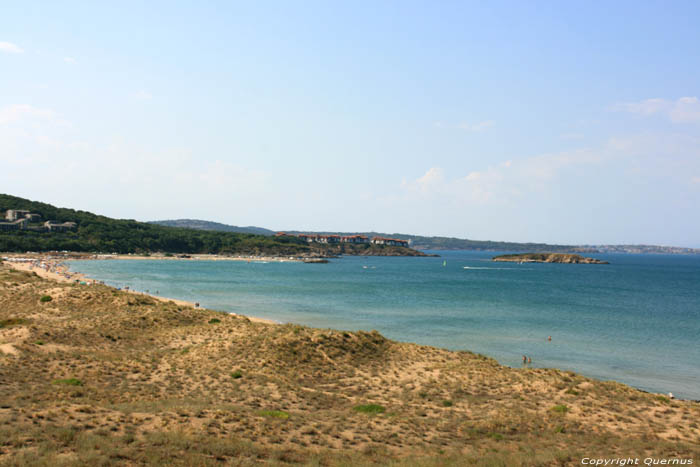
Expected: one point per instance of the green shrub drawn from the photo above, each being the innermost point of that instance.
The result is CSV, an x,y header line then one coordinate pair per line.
x,y
275,414
663,399
447,403
68,382
214,321
369,409
237,374
45,298
561,408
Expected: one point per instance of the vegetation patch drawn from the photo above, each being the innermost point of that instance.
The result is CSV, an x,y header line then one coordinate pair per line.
x,y
6,323
237,374
663,399
447,403
68,382
274,414
369,409
214,321
561,408
45,298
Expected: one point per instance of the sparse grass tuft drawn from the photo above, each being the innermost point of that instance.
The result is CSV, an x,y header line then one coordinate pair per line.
x,y
68,382
274,413
6,323
236,374
663,399
369,409
561,408
447,403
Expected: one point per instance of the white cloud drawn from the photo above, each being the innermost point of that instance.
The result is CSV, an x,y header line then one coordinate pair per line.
x,y
432,177
70,60
477,127
11,48
143,95
17,112
695,180
686,109
682,110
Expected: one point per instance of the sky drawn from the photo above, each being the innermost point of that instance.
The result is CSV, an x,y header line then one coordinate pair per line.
x,y
560,122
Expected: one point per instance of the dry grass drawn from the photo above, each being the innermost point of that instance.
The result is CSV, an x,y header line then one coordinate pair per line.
x,y
165,384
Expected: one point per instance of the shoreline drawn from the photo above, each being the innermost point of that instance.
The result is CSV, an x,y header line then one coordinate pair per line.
x,y
54,268
93,373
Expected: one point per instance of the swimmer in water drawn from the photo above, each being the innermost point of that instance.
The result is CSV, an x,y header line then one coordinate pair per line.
x,y
549,338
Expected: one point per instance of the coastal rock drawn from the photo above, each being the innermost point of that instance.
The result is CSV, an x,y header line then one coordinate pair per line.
x,y
547,258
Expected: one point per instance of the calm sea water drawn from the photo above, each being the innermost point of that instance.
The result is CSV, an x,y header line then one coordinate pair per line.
x,y
636,320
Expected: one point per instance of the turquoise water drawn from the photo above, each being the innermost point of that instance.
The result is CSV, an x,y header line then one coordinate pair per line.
x,y
636,320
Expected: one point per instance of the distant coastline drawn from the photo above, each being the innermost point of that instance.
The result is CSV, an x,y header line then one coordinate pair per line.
x,y
420,242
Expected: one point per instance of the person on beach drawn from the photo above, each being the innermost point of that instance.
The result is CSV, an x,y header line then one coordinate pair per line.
x,y
524,359
529,360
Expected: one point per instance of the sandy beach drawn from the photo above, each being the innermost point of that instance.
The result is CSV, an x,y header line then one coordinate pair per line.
x,y
95,375
53,267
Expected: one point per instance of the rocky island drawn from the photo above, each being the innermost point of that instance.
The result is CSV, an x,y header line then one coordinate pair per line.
x,y
548,258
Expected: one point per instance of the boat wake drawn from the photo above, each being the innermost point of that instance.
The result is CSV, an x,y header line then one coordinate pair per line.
x,y
500,269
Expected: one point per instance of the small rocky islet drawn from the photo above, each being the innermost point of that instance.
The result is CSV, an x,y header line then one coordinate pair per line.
x,y
548,258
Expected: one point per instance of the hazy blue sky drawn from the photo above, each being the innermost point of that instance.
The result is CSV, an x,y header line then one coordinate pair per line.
x,y
527,121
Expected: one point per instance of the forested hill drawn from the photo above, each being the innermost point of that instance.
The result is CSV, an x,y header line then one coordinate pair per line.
x,y
420,242
95,233
207,225
417,241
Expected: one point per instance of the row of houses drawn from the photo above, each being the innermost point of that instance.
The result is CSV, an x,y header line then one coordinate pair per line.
x,y
356,239
18,219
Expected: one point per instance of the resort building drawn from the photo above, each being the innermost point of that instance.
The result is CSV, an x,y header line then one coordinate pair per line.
x,y
14,214
328,239
308,238
354,239
19,219
19,224
52,226
389,241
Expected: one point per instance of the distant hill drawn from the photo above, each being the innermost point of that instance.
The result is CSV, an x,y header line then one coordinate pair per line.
x,y
216,226
451,243
95,233
101,234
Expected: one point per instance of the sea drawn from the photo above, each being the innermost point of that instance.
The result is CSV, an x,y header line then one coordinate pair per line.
x,y
636,320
